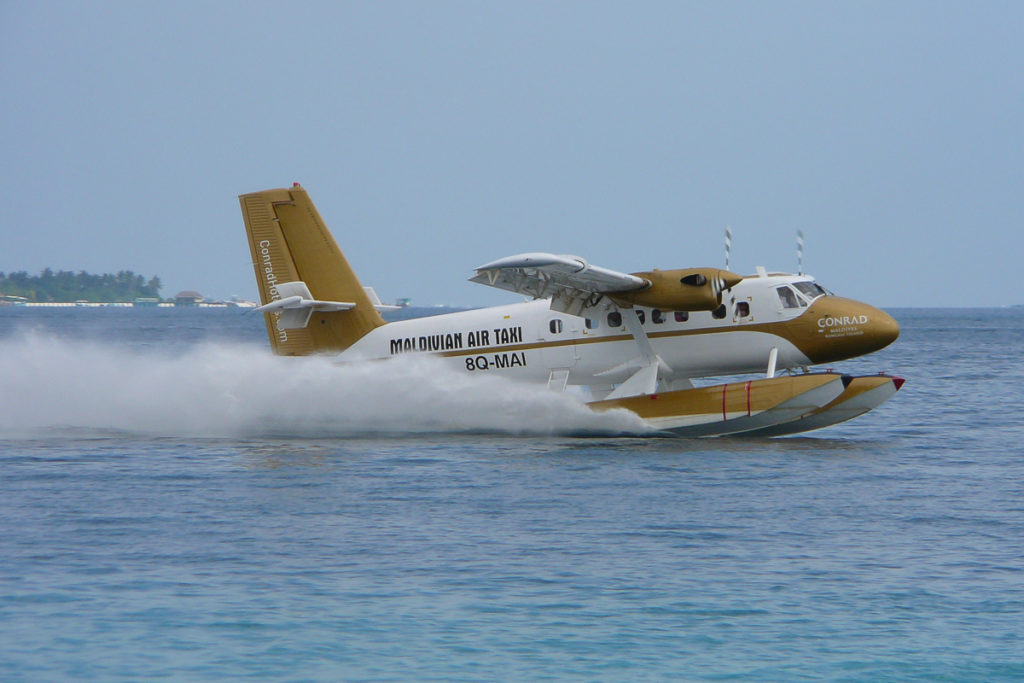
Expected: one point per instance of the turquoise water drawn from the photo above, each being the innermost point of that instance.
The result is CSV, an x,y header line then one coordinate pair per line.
x,y
175,503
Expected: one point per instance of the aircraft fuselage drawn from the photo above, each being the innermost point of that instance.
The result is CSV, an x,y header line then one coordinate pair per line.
x,y
528,341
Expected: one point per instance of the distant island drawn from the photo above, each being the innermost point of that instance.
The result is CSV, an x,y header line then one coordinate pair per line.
x,y
67,286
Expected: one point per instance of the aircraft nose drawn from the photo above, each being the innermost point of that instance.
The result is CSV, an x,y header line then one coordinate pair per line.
x,y
839,328
864,328
882,327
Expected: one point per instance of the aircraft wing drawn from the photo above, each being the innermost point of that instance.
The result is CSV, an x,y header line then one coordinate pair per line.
x,y
570,281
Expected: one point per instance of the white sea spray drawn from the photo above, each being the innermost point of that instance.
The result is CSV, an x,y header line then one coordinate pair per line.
x,y
232,390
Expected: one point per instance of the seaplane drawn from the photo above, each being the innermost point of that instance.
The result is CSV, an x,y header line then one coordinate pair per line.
x,y
656,343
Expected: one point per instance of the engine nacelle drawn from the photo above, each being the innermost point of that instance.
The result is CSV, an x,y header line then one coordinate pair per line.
x,y
687,289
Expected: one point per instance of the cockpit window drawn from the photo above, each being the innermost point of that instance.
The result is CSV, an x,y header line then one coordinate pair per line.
x,y
789,298
811,289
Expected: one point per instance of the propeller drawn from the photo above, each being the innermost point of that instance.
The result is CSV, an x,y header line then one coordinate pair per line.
x,y
728,245
800,251
719,285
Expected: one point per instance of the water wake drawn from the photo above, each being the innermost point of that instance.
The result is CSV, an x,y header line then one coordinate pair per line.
x,y
237,390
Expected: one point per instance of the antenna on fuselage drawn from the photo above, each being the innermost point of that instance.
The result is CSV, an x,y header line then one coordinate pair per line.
x,y
800,252
728,245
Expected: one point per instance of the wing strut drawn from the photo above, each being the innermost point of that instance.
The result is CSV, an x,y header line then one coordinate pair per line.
x,y
773,358
648,364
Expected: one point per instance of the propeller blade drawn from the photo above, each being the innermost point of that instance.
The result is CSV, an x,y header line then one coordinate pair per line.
x,y
800,252
728,245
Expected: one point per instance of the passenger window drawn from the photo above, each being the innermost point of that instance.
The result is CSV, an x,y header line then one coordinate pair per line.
x,y
656,316
743,309
614,319
788,297
591,323
555,326
641,315
719,312
681,316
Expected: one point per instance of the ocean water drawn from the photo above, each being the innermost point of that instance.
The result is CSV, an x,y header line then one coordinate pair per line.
x,y
178,504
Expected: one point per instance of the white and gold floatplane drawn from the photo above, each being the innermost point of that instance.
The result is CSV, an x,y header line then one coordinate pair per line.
x,y
625,340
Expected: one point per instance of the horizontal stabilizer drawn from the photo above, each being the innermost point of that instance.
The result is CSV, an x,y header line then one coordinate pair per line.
x,y
377,303
296,305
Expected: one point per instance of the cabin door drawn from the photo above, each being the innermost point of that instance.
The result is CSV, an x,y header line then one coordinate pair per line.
x,y
558,335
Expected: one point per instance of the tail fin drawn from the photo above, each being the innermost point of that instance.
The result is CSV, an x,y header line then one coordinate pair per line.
x,y
290,244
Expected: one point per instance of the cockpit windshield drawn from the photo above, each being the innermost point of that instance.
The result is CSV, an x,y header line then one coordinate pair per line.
x,y
789,298
812,290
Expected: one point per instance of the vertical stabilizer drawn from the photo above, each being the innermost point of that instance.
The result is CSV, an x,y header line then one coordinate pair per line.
x,y
290,243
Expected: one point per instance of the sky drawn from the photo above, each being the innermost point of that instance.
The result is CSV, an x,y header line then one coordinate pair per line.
x,y
437,136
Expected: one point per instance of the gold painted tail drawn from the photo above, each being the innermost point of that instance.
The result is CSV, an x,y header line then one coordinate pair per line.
x,y
289,242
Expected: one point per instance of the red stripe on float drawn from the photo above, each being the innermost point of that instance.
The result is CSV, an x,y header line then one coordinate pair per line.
x,y
748,399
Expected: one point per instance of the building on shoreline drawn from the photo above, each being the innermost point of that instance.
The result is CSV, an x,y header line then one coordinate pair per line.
x,y
188,297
